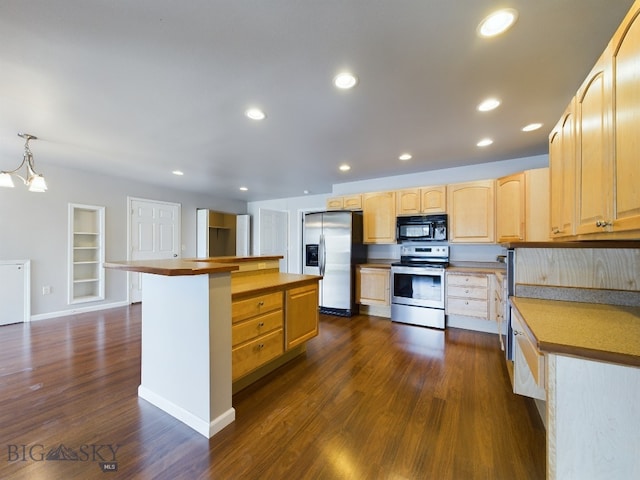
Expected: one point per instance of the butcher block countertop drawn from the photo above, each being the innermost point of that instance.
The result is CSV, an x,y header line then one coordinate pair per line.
x,y
262,283
171,267
609,333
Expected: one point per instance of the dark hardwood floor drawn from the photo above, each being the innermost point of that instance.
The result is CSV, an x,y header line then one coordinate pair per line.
x,y
370,399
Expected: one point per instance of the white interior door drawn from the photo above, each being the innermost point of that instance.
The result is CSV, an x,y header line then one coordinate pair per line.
x,y
154,233
274,234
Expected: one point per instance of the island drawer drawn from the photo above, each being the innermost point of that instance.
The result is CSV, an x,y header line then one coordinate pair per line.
x,y
256,326
251,355
256,305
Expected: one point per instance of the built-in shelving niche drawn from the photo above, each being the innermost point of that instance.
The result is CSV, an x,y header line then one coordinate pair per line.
x,y
86,253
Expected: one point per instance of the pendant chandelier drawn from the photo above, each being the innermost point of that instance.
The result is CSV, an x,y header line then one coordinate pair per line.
x,y
35,181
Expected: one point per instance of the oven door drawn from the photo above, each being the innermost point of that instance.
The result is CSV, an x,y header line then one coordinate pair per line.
x,y
419,286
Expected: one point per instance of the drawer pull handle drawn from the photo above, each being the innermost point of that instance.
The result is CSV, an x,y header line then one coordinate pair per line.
x,y
466,291
260,346
260,303
466,303
261,324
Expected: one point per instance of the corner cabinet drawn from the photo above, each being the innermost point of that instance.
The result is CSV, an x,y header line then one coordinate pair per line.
x,y
86,253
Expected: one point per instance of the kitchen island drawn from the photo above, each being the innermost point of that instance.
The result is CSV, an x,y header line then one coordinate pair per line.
x,y
591,375
186,358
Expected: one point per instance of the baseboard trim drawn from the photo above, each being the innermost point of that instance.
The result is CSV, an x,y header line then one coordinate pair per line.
x,y
75,311
207,429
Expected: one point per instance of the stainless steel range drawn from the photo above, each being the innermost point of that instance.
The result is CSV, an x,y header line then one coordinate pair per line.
x,y
418,285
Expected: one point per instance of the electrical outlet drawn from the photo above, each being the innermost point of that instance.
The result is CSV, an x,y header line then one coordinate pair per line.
x,y
46,290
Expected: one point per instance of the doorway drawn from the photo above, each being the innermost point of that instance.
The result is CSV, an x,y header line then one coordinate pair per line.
x,y
154,233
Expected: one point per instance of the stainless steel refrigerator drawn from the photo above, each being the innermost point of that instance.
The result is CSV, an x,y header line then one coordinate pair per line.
x,y
332,246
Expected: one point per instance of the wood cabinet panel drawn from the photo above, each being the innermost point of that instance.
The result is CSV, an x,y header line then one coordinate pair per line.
x,y
468,294
433,199
249,356
467,307
472,212
562,174
626,105
345,202
510,208
594,154
334,203
255,305
301,315
529,363
379,217
537,206
254,327
408,201
372,286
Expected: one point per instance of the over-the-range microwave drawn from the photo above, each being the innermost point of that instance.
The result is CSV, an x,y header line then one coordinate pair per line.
x,y
421,228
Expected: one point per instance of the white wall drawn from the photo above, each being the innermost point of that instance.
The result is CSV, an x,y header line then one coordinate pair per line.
x,y
34,226
297,205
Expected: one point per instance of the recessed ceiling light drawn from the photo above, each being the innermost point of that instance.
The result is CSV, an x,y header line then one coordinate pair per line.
x,y
255,114
488,105
531,127
244,189
306,192
497,22
344,167
484,142
345,80
405,156
178,172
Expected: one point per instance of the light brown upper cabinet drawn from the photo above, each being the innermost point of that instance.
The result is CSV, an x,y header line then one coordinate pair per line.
x,y
472,212
379,217
345,202
415,201
522,206
562,164
510,208
601,127
537,205
594,156
626,105
433,199
408,201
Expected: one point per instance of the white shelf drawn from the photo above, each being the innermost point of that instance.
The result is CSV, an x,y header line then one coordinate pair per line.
x,y
86,253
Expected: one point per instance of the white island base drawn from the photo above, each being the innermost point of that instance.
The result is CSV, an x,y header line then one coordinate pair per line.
x,y
186,348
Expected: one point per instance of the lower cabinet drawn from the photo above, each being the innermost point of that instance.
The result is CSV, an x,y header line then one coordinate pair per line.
x,y
301,315
265,326
468,294
529,362
372,286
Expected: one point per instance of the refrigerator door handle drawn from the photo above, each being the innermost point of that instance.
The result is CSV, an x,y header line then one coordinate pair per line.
x,y
322,255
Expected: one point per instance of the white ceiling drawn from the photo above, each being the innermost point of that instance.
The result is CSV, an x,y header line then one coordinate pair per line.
x,y
138,88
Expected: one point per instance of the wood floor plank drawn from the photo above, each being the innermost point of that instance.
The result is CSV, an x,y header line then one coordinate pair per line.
x,y
370,399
